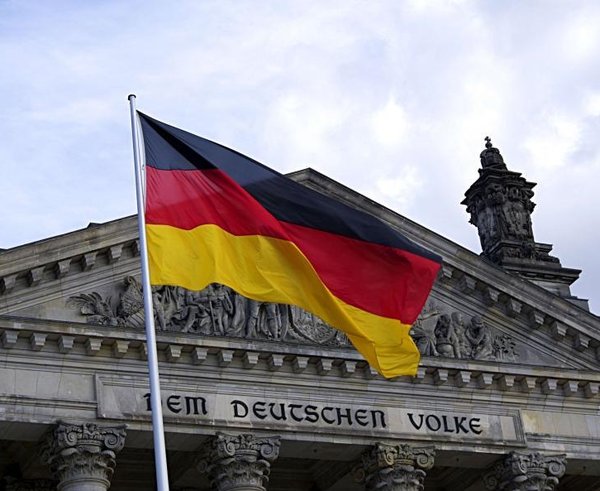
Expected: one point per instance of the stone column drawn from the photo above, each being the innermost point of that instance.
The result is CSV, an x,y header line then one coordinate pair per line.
x,y
385,467
521,471
82,457
240,462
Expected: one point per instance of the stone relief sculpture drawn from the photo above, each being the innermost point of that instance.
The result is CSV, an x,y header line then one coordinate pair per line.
x,y
215,311
219,311
438,333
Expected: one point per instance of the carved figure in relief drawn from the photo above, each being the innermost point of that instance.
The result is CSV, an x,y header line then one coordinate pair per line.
x,y
132,303
445,339
479,336
424,340
422,335
167,301
462,348
215,311
195,312
271,326
220,306
487,226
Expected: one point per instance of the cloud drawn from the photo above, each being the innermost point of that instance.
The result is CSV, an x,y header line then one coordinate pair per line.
x,y
390,124
554,141
391,98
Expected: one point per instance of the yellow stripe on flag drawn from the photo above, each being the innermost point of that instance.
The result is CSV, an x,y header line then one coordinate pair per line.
x,y
275,270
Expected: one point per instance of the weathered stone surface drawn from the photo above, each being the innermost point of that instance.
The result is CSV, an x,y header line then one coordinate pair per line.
x,y
240,462
214,311
82,456
401,467
520,471
440,332
499,203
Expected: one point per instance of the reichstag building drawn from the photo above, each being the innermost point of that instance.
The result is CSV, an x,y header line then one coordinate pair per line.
x,y
261,396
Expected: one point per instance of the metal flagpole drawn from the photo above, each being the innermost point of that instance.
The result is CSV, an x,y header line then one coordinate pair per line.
x,y
160,454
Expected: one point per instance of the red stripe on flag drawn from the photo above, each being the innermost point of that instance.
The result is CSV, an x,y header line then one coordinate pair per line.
x,y
383,280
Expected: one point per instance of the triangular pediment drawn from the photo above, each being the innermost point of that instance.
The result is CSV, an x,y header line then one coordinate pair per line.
x,y
476,312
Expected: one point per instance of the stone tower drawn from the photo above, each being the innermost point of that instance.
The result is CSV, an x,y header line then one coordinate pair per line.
x,y
500,205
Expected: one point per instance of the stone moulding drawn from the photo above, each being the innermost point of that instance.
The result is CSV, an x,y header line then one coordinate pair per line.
x,y
57,269
219,311
63,340
519,305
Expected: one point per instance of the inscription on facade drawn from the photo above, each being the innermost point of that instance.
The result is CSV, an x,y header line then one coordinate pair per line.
x,y
302,412
445,423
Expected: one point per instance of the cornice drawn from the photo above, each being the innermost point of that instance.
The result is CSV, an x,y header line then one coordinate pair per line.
x,y
77,342
50,260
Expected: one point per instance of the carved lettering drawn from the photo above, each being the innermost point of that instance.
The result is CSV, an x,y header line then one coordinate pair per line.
x,y
237,405
433,422
312,416
191,405
173,403
325,418
417,426
340,416
259,408
446,423
458,422
474,425
194,405
381,415
292,412
278,417
361,417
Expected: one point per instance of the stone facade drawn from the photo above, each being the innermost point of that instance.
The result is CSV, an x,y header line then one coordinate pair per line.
x,y
268,397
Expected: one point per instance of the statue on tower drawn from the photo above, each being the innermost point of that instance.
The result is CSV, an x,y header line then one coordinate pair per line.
x,y
500,206
491,157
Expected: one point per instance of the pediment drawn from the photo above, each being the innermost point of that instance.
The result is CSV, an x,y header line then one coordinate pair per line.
x,y
476,312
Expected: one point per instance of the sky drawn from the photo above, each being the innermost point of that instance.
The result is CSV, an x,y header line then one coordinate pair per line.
x,y
391,98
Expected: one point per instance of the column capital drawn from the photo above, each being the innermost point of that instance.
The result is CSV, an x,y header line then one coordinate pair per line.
x,y
239,462
82,453
526,471
401,467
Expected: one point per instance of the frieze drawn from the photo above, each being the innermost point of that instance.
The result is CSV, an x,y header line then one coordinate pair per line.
x,y
215,311
220,311
439,332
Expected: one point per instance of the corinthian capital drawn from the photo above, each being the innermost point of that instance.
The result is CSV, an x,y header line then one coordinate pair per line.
x,y
239,462
385,467
526,472
82,453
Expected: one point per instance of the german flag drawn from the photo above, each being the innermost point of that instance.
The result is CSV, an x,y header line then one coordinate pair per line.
x,y
214,215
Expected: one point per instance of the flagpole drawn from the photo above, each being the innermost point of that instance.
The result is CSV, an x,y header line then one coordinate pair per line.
x,y
160,454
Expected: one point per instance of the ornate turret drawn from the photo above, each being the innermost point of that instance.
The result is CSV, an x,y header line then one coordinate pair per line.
x,y
500,205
